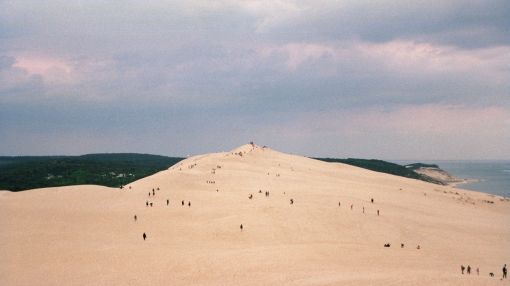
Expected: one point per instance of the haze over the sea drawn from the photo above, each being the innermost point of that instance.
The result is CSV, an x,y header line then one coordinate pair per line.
x,y
366,79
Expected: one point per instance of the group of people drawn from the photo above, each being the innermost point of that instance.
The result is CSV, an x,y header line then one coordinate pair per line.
x,y
468,271
363,209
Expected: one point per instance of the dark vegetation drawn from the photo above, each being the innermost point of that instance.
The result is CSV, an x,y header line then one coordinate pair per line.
x,y
417,166
112,170
387,167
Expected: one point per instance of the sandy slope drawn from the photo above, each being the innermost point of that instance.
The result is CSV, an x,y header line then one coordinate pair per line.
x,y
86,235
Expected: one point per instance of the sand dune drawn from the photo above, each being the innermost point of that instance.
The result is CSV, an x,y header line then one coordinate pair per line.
x,y
86,235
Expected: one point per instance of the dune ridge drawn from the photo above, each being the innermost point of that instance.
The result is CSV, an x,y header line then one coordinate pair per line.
x,y
87,235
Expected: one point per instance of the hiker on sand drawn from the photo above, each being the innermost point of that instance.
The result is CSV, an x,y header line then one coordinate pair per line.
x,y
182,203
135,217
462,268
167,201
377,212
144,236
189,204
339,204
146,203
291,201
469,269
241,227
504,271
477,271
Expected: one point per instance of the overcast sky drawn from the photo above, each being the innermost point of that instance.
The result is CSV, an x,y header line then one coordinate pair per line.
x,y
369,79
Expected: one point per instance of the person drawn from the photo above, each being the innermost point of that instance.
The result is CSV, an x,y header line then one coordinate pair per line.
x,y
241,227
135,217
504,271
182,203
462,268
146,203
477,271
167,201
363,209
339,204
291,201
401,245
189,204
372,200
377,212
153,192
468,269
144,236
151,204
351,207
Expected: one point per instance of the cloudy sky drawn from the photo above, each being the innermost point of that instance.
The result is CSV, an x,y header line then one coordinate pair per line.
x,y
370,79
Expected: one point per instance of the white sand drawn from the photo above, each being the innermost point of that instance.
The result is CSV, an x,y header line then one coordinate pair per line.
x,y
86,235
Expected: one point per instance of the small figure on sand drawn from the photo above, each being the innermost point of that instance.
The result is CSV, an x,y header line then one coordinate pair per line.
x,y
418,247
241,227
377,212
182,203
462,268
351,206
477,271
387,245
291,201
153,192
372,200
401,245
189,204
146,203
144,236
250,196
504,271
339,204
150,204
363,209
135,217
468,269
167,201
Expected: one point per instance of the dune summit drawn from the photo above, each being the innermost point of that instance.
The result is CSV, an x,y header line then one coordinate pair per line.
x,y
304,222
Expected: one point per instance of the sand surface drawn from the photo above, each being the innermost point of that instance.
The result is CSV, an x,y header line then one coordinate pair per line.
x,y
86,235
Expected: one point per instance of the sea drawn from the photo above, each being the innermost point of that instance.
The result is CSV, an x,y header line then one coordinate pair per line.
x,y
492,177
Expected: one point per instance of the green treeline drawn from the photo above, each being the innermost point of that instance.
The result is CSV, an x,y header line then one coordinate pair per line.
x,y
386,167
112,170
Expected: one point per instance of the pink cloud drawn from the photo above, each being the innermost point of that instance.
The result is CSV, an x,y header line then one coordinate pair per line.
x,y
52,70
